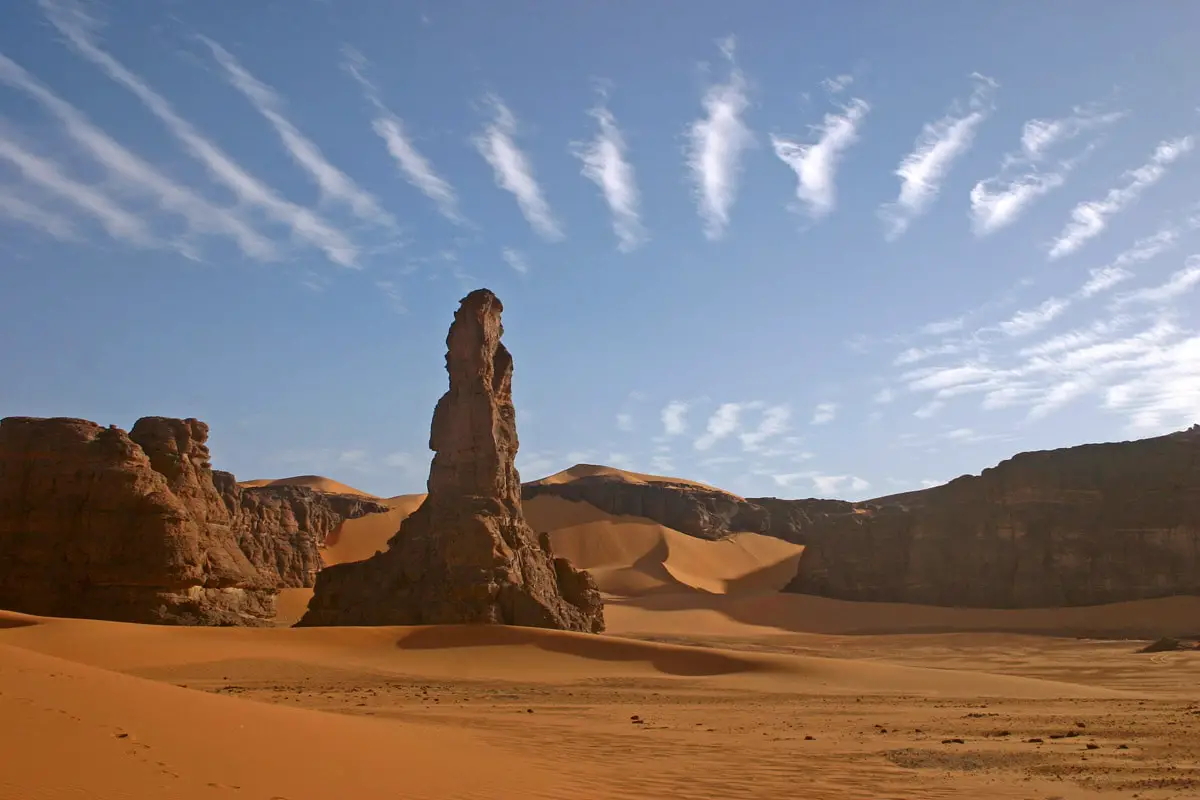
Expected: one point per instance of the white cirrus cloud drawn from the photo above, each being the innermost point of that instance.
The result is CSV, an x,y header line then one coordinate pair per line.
x,y
815,163
940,144
117,221
724,422
606,164
515,259
913,355
824,413
929,410
837,83
133,174
1177,285
334,184
415,167
18,209
1026,322
624,422
513,172
942,327
1089,219
304,224
833,484
1101,279
774,422
674,418
998,201
885,395
716,142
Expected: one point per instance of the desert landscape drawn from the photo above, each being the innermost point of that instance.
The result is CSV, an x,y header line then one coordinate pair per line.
x,y
598,633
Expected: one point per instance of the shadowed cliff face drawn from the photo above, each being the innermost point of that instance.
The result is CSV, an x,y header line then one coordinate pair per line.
x,y
692,509
138,527
467,554
1083,525
89,527
282,529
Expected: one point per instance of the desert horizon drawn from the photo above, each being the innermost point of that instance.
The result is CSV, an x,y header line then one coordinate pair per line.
x,y
460,400
595,631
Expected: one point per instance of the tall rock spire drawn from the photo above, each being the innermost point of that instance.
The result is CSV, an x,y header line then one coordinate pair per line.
x,y
467,555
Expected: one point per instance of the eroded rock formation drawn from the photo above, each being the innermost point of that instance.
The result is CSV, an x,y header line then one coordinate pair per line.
x,y
1098,523
467,555
692,509
138,527
98,523
282,529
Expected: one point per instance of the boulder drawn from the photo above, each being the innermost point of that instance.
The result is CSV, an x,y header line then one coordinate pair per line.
x,y
467,555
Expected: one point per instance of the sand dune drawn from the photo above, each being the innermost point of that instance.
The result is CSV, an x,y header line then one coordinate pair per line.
x,y
631,556
589,470
125,737
314,482
439,652
356,539
692,614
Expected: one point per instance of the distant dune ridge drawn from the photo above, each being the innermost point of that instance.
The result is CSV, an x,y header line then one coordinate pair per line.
x,y
466,554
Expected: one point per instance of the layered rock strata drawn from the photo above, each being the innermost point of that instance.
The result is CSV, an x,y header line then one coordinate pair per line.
x,y
1099,523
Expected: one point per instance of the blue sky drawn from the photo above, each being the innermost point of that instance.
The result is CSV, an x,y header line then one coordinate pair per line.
x,y
822,248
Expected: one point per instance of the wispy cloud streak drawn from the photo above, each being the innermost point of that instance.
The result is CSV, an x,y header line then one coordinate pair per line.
x,y
200,215
940,144
1179,284
334,184
1104,278
815,164
513,171
1089,219
515,259
389,127
305,225
119,223
20,210
716,142
605,164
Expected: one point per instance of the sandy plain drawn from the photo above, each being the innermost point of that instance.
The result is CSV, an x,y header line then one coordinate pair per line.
x,y
708,684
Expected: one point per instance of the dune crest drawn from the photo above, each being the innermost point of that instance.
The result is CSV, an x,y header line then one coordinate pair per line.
x,y
317,483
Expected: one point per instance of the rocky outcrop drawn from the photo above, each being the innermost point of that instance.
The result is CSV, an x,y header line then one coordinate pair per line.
x,y
282,529
1083,525
138,527
98,523
467,555
689,508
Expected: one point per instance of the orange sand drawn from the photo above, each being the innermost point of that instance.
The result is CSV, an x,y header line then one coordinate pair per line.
x,y
709,684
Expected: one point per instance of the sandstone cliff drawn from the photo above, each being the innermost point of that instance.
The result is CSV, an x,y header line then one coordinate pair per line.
x,y
98,523
1083,525
282,529
467,554
693,509
95,522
